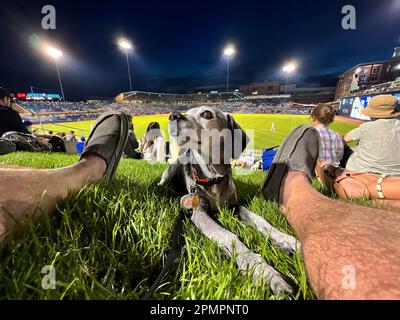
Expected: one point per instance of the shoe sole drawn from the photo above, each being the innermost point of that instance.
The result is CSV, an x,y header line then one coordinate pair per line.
x,y
279,167
124,130
120,148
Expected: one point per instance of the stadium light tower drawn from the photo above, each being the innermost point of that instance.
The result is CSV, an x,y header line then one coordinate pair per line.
x,y
229,51
56,54
288,69
126,45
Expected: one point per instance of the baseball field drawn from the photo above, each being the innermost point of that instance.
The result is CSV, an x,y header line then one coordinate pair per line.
x,y
260,124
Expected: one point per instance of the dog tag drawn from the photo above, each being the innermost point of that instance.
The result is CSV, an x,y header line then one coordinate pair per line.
x,y
186,201
195,201
190,201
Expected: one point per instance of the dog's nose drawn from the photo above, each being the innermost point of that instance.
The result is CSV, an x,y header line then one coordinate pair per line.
x,y
175,116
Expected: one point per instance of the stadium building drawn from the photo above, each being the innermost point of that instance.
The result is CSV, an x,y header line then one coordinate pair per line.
x,y
261,88
153,97
304,95
365,76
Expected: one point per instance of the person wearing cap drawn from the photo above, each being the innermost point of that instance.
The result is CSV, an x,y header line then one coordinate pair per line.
x,y
10,119
378,149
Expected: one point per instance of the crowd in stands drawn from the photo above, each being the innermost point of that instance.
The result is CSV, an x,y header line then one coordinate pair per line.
x,y
382,88
90,110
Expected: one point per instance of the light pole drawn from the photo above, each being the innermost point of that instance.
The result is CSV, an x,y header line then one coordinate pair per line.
x,y
126,45
288,69
228,52
56,54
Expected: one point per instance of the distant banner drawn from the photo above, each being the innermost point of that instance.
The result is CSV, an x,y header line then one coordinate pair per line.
x,y
345,106
360,103
351,106
43,96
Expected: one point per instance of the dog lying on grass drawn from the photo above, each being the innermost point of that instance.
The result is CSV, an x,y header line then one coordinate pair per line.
x,y
209,139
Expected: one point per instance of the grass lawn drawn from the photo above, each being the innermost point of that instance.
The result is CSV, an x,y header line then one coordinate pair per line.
x,y
110,241
106,242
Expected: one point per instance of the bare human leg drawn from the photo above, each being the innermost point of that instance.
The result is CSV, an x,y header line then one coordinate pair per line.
x,y
26,193
359,184
393,205
350,252
366,188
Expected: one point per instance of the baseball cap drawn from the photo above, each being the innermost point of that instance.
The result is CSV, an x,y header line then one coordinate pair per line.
x,y
4,93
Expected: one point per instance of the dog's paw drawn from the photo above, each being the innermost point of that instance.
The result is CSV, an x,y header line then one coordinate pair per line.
x,y
264,273
286,242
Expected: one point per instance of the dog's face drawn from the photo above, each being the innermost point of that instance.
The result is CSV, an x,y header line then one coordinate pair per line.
x,y
210,132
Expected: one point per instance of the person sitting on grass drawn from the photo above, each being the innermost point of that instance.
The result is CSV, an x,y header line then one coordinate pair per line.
x,y
152,145
331,146
132,144
28,193
378,149
71,136
10,120
61,135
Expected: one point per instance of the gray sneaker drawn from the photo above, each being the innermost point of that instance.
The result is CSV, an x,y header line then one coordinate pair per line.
x,y
108,139
298,152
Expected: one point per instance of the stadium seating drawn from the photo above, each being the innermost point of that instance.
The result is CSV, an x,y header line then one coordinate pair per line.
x,y
48,112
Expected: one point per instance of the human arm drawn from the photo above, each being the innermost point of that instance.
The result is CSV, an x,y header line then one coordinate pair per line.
x,y
353,135
347,138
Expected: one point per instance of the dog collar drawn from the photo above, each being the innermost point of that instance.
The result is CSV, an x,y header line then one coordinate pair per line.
x,y
205,181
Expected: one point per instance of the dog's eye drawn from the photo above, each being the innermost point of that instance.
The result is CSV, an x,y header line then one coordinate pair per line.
x,y
207,115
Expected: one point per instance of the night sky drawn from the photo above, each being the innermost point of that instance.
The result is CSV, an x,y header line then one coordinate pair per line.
x,y
178,44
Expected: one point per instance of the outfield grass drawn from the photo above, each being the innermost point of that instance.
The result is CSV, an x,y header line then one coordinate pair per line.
x,y
110,241
260,123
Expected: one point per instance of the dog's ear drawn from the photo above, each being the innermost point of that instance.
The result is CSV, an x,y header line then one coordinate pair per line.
x,y
239,137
